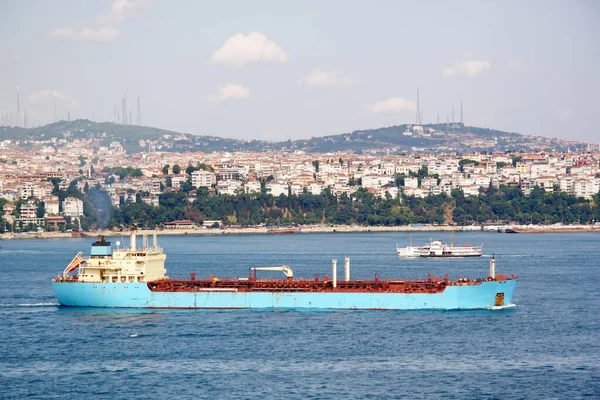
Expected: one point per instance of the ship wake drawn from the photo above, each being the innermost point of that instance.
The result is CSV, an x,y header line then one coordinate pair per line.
x,y
508,306
29,305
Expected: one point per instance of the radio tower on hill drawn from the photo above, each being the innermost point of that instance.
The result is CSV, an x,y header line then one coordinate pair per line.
x,y
124,122
139,113
418,119
18,108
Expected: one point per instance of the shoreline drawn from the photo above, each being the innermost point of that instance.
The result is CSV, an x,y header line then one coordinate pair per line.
x,y
518,229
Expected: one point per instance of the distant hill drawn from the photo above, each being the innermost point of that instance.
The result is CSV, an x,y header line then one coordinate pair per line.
x,y
433,138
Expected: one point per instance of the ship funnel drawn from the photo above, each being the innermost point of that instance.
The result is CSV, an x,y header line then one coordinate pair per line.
x,y
493,267
154,240
347,268
334,272
133,240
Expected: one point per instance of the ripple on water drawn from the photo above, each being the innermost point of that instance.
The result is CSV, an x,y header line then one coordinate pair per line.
x,y
547,344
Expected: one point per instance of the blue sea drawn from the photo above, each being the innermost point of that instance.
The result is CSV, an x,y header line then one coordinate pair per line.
x,y
547,347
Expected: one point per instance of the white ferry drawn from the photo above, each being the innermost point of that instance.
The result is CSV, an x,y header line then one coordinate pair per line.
x,y
435,248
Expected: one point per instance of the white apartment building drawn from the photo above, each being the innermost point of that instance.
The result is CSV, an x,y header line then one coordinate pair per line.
x,y
252,187
52,207
203,178
411,182
277,189
73,207
376,181
585,187
315,188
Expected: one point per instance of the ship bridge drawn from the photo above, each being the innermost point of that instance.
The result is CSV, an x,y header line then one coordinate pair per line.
x,y
123,264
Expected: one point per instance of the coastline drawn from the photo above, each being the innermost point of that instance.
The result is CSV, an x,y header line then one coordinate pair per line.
x,y
519,229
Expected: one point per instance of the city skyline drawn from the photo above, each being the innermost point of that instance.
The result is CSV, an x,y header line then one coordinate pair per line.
x,y
274,71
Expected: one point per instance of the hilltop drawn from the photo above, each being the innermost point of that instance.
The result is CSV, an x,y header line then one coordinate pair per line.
x,y
432,138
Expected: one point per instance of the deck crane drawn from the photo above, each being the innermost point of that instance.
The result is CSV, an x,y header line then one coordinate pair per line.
x,y
287,271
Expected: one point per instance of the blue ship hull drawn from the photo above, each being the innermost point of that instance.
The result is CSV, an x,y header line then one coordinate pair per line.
x,y
138,295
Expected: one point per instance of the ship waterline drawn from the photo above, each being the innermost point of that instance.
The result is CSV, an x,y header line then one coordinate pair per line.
x,y
138,295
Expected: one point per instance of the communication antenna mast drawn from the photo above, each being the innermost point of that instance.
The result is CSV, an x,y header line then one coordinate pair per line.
x,y
139,113
25,118
18,107
124,109
418,119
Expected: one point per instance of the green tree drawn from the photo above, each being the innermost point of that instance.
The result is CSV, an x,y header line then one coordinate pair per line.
x,y
165,169
176,169
41,211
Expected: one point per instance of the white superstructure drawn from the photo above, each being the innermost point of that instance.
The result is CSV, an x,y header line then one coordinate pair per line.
x,y
126,264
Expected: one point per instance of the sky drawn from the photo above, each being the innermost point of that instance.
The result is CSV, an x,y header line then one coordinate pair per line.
x,y
278,70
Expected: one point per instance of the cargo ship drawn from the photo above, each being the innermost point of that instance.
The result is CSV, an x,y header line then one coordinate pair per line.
x,y
135,277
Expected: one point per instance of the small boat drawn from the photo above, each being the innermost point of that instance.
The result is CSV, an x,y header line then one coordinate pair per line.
x,y
283,230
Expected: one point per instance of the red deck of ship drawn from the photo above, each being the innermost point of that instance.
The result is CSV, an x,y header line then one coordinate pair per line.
x,y
431,285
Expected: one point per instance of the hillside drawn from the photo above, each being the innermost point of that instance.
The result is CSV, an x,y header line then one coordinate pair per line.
x,y
434,138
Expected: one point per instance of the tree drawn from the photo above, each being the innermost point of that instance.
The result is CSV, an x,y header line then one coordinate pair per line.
x,y
176,169
41,211
136,172
165,169
316,165
462,163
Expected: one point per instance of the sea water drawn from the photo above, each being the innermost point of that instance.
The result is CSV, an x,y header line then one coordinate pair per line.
x,y
548,346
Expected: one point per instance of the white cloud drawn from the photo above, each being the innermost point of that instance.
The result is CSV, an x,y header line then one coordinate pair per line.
x,y
46,98
101,34
232,91
467,68
394,104
105,29
64,32
320,78
121,10
241,49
